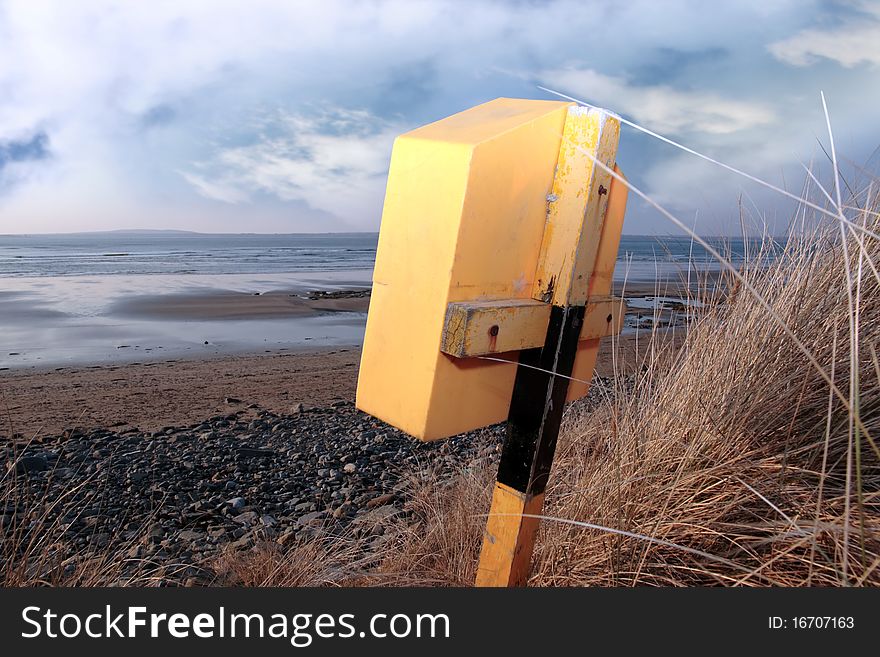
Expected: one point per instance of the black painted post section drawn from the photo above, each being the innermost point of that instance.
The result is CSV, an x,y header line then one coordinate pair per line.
x,y
538,402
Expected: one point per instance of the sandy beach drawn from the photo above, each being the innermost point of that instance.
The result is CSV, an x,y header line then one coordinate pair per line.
x,y
150,396
153,351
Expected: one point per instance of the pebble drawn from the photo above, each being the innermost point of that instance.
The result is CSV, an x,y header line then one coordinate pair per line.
x,y
380,500
28,464
309,518
247,518
155,532
237,503
250,453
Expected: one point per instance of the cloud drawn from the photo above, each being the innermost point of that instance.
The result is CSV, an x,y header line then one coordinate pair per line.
x,y
18,155
35,147
334,160
158,115
202,114
849,46
660,107
855,41
215,191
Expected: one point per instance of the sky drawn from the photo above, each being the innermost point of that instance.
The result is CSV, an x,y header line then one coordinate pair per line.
x,y
279,116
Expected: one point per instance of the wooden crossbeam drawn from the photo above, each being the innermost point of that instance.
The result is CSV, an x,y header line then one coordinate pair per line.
x,y
481,328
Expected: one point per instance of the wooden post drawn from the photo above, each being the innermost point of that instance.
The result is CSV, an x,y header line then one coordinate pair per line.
x,y
570,272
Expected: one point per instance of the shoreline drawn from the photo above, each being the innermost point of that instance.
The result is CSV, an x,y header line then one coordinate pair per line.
x,y
92,321
149,396
75,324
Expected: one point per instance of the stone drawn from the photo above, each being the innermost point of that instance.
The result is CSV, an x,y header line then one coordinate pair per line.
x,y
247,518
237,503
349,468
138,476
309,519
380,500
243,543
29,464
155,532
250,452
378,515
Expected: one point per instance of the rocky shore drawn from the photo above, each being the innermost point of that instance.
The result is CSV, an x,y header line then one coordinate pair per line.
x,y
183,495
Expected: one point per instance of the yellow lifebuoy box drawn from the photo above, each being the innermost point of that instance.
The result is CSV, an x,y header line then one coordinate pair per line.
x,y
466,207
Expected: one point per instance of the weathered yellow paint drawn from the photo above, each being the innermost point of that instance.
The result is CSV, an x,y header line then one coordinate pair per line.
x,y
600,283
465,208
577,205
603,316
477,328
508,538
480,328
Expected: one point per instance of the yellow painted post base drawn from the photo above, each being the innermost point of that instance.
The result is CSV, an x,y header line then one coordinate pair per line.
x,y
509,538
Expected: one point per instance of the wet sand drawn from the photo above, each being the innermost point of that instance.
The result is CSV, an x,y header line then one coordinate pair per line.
x,y
83,320
220,304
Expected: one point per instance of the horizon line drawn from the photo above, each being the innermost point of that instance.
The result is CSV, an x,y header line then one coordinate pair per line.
x,y
133,231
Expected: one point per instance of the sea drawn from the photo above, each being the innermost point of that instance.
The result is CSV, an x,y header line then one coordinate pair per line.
x,y
60,295
120,253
